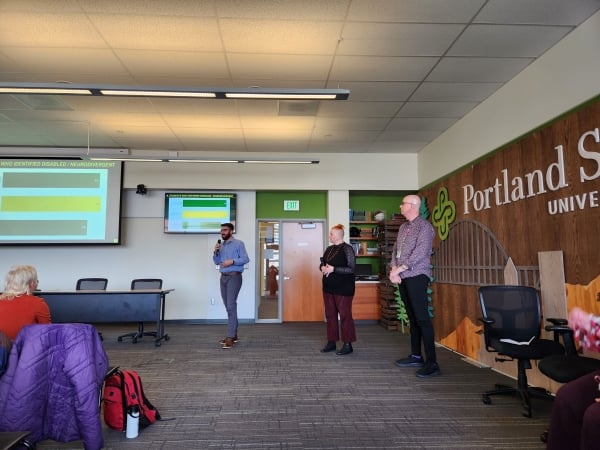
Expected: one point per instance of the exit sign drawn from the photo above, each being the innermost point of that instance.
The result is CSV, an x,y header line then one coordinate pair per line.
x,y
291,205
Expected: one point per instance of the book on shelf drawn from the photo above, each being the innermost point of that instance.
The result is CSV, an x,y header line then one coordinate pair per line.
x,y
512,341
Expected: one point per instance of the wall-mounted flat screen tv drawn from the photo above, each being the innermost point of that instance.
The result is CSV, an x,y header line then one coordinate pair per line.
x,y
197,213
60,201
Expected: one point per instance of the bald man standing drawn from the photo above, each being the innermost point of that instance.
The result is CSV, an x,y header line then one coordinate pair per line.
x,y
411,267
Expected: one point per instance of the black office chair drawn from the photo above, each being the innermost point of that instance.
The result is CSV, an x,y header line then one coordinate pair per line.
x,y
91,284
514,313
142,283
567,367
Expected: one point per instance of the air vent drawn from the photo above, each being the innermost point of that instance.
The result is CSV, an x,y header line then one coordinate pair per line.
x,y
298,108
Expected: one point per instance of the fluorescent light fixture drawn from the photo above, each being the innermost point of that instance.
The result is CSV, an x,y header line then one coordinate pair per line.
x,y
281,96
125,93
48,91
173,91
275,161
94,158
200,160
203,160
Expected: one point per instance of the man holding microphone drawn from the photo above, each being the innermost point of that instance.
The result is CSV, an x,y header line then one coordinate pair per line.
x,y
231,256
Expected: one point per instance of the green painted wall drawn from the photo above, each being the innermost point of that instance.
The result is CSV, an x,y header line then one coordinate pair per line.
x,y
313,205
377,200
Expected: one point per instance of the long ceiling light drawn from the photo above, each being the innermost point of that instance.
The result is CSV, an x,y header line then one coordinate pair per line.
x,y
173,91
201,160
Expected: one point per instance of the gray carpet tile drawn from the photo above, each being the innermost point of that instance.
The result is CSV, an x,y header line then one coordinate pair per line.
x,y
275,390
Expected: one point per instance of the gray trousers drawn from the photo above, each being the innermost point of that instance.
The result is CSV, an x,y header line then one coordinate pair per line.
x,y
230,288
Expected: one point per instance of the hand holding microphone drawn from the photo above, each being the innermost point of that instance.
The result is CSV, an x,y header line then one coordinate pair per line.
x,y
217,246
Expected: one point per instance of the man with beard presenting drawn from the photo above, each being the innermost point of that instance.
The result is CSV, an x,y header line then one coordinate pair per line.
x,y
230,256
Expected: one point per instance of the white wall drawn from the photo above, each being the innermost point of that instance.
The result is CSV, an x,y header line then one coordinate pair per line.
x,y
396,172
184,262
564,77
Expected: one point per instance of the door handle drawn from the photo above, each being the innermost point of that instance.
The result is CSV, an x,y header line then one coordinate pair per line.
x,y
286,278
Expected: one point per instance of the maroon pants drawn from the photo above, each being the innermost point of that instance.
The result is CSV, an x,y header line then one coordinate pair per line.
x,y
575,420
342,305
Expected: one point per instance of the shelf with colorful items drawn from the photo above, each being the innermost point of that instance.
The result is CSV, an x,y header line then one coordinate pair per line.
x,y
364,232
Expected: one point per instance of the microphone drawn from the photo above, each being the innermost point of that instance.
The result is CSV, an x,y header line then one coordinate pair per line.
x,y
218,242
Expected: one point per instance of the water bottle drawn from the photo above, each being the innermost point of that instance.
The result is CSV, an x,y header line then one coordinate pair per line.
x,y
133,422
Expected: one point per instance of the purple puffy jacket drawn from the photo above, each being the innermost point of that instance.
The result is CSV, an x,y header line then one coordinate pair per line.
x,y
52,384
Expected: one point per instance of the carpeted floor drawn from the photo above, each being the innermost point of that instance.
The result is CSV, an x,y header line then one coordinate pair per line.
x,y
275,390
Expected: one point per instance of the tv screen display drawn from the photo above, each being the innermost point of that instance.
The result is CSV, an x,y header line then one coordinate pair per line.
x,y
197,213
60,201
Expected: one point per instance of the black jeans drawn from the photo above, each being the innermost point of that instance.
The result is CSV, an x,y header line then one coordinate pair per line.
x,y
413,291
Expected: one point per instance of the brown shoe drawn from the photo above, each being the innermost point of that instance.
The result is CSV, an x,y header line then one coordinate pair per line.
x,y
229,343
235,340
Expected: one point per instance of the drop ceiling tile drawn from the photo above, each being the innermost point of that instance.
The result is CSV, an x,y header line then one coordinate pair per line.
x,y
108,105
159,32
276,9
461,92
204,8
173,64
446,11
397,39
201,121
541,12
212,135
45,30
421,123
330,135
460,69
287,67
277,123
409,135
281,37
351,123
436,109
507,40
379,91
74,61
374,68
187,106
358,109
28,6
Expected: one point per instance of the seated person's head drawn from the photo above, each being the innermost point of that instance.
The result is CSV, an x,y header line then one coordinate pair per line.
x,y
20,280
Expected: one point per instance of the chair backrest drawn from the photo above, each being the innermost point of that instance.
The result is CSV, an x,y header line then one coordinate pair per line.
x,y
515,310
91,284
146,283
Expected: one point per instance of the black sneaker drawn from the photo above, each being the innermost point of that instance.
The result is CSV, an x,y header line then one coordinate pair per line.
x,y
410,361
329,347
429,370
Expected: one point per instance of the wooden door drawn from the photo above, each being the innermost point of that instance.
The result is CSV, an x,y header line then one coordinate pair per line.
x,y
300,278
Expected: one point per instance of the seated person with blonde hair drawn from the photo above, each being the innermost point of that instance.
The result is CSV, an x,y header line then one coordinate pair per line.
x,y
18,306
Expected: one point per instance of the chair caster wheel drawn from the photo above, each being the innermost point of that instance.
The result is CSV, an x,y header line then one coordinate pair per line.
x,y
134,340
119,339
486,400
167,337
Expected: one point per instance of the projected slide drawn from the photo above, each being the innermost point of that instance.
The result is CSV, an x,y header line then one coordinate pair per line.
x,y
198,213
55,201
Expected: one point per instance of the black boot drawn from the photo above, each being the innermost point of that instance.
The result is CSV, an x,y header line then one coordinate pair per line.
x,y
329,347
347,348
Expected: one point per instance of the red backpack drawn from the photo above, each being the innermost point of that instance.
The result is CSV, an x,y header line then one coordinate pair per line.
x,y
122,391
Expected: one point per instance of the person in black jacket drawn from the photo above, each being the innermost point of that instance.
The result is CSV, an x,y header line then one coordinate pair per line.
x,y
337,267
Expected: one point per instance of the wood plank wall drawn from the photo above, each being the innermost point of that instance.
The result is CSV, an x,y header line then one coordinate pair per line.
x,y
528,226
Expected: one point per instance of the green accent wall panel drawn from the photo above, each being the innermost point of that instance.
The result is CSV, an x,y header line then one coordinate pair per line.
x,y
313,205
377,200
